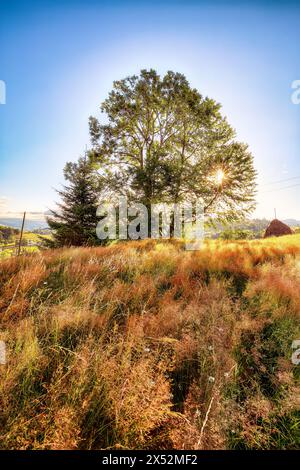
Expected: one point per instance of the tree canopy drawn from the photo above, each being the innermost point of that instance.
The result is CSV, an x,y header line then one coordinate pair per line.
x,y
162,141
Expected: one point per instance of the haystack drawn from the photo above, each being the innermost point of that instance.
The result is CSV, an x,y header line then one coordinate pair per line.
x,y
277,229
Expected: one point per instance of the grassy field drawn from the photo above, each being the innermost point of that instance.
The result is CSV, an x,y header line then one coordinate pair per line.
x,y
30,238
10,250
145,345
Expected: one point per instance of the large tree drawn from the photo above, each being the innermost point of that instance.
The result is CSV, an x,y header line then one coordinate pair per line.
x,y
74,222
163,142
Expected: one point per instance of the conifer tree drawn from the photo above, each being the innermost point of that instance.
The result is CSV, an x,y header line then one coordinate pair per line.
x,y
74,222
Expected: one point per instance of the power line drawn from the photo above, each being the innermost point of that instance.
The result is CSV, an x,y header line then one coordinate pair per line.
x,y
279,189
281,181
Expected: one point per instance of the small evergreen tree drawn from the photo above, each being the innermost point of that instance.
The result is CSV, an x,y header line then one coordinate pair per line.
x,y
74,222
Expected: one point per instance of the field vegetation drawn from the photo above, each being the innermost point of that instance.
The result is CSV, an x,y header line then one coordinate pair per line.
x,y
9,239
143,345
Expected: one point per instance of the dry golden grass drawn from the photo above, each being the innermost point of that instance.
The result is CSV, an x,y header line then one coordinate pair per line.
x,y
145,345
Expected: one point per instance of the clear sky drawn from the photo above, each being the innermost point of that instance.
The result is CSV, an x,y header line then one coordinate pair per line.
x,y
59,59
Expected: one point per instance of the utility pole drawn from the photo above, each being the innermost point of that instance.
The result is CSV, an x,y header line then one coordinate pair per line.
x,y
21,235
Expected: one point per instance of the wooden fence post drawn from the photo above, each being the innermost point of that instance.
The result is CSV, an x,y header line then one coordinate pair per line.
x,y
21,235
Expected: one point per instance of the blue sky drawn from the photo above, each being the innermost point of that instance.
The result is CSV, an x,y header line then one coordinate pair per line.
x,y
59,59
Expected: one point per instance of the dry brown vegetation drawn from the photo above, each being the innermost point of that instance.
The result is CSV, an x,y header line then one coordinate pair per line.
x,y
145,345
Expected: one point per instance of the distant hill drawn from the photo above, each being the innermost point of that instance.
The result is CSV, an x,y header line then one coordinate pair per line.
x,y
292,222
255,225
30,225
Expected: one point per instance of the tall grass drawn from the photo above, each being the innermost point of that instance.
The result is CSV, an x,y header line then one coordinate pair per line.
x,y
145,345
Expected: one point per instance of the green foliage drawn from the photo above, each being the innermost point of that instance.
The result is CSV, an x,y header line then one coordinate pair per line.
x,y
7,234
164,142
278,432
238,234
74,223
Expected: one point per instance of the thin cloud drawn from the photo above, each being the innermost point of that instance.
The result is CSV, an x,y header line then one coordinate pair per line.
x,y
17,215
3,202
6,213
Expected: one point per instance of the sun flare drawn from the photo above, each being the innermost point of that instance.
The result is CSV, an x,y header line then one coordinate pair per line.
x,y
219,176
